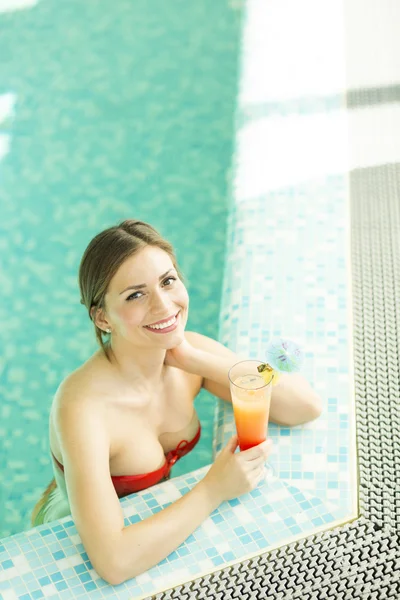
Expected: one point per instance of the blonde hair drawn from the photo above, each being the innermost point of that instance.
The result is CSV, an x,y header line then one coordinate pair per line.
x,y
106,253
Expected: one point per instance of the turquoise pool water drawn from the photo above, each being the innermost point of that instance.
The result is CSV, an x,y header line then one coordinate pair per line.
x,y
107,111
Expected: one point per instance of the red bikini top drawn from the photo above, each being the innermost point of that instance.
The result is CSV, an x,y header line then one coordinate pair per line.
x,y
128,484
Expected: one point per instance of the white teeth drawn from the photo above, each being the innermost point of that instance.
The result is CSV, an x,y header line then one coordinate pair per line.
x,y
164,325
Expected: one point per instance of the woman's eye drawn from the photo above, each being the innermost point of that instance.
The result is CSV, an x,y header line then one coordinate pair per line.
x,y
135,297
173,279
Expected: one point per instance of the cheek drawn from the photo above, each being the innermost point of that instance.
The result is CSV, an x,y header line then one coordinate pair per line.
x,y
183,296
184,301
131,315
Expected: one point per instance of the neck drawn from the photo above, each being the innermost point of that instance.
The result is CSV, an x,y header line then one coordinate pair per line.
x,y
139,366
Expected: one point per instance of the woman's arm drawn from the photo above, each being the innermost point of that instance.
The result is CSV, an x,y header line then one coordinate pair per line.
x,y
116,552
293,400
144,544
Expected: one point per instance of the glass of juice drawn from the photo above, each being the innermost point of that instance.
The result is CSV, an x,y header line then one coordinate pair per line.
x,y
251,400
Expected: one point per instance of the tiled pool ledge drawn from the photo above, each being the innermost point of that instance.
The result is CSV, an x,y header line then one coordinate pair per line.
x,y
303,230
50,561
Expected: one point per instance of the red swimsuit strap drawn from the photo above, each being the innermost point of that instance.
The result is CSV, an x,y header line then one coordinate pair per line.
x,y
170,459
182,448
58,463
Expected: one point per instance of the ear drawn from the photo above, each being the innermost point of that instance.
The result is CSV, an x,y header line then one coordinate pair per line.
x,y
99,318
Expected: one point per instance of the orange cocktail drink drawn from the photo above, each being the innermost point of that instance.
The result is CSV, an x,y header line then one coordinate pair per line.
x,y
251,399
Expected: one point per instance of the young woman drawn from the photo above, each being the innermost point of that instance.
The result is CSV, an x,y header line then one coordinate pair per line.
x,y
120,421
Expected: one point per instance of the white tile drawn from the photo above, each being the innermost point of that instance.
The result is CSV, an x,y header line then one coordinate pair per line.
x,y
332,467
68,562
21,564
300,319
9,595
206,565
326,361
242,514
210,528
283,441
94,575
331,303
278,495
182,574
273,517
320,425
305,484
170,490
8,573
162,497
143,578
333,494
75,539
314,462
320,385
49,590
301,517
222,548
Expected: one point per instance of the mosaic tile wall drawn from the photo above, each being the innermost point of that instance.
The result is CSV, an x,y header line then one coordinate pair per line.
x,y
288,263
297,230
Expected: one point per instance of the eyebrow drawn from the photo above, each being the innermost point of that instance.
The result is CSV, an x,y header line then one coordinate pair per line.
x,y
143,285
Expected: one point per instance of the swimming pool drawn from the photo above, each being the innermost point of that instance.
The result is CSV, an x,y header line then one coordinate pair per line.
x,y
288,535
106,112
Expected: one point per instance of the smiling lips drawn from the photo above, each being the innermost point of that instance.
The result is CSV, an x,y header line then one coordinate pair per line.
x,y
164,326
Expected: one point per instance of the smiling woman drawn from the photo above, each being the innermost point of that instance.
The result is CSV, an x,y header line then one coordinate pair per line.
x,y
115,252
121,420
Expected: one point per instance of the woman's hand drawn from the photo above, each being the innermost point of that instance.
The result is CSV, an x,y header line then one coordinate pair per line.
x,y
232,474
182,356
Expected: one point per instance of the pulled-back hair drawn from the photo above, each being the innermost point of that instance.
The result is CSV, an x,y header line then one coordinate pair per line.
x,y
106,253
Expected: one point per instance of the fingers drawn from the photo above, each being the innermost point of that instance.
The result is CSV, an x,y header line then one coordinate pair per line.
x,y
255,464
261,450
232,443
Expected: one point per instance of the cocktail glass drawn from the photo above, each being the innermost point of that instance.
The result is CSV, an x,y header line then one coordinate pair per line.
x,y
251,400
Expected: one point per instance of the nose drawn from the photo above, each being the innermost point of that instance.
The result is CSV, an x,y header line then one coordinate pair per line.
x,y
161,305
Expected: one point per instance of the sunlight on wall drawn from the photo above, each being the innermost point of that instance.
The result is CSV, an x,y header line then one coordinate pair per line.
x,y
7,102
11,5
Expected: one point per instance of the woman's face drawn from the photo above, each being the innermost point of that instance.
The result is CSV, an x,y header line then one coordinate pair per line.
x,y
145,290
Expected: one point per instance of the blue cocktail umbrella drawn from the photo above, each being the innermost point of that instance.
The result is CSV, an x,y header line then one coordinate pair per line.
x,y
284,356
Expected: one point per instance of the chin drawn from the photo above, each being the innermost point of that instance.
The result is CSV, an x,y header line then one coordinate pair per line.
x,y
175,340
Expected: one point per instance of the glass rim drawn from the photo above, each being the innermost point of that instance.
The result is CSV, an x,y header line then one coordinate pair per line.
x,y
253,360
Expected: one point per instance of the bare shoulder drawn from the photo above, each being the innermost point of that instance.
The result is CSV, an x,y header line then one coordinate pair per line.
x,y
78,387
81,395
93,378
208,344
